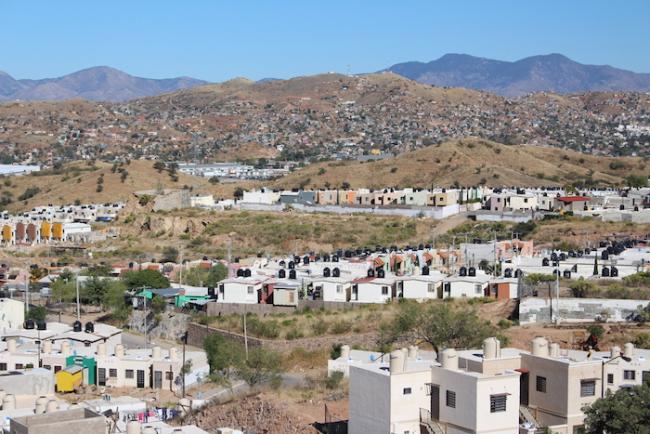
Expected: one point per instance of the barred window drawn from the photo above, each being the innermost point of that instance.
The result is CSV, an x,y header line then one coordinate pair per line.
x,y
128,373
629,375
588,388
498,403
451,399
540,384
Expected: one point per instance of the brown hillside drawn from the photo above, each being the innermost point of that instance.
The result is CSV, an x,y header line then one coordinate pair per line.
x,y
470,162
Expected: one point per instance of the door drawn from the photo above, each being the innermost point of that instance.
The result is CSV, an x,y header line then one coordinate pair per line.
x,y
140,379
435,402
523,388
101,376
157,380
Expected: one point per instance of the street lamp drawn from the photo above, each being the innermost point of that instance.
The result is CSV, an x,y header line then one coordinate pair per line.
x,y
602,371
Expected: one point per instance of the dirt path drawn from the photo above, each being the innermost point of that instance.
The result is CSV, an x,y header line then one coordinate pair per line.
x,y
448,224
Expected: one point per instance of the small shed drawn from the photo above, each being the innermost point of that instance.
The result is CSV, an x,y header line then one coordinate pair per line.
x,y
69,379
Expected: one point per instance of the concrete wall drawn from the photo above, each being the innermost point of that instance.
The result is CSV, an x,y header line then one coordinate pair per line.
x,y
538,310
370,400
434,213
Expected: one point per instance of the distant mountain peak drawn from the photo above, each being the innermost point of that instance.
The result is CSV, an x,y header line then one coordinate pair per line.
x,y
552,72
98,83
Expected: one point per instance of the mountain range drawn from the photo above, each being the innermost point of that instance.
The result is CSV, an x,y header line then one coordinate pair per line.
x,y
99,83
548,73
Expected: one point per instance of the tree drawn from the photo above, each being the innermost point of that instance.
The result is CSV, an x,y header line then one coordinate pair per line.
x,y
440,325
145,279
238,193
37,313
63,289
222,354
158,304
93,290
261,366
159,166
197,276
114,301
170,254
636,181
626,411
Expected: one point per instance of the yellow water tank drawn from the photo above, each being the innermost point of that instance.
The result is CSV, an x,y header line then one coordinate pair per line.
x,y
57,231
46,230
7,233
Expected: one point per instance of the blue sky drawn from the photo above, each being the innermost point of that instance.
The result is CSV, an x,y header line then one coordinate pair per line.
x,y
217,40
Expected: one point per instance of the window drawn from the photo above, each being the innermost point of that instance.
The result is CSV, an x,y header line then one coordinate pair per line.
x,y
629,375
112,373
19,366
451,399
128,373
250,289
478,288
540,384
588,388
498,403
339,289
3,366
48,367
407,391
525,200
431,287
57,368
384,290
645,377
610,378
169,375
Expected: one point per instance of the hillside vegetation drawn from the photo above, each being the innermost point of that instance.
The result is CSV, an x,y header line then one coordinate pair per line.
x,y
471,162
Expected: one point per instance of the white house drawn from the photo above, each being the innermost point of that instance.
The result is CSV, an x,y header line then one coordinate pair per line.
x,y
332,288
420,287
240,290
373,290
468,286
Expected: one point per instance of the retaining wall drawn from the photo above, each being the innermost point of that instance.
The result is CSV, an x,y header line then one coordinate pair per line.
x,y
538,310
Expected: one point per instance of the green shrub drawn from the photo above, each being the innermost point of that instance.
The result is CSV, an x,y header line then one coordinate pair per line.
x,y
333,381
320,327
293,334
340,327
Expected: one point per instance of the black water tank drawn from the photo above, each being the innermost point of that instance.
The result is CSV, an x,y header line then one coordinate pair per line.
x,y
507,273
566,274
553,256
604,255
614,272
425,271
292,274
211,292
240,273
545,262
76,326
562,256
283,274
282,264
41,325
371,272
247,272
90,327
381,273
605,272
29,324
292,265
326,272
518,273
462,271
305,260
335,259
336,272
471,271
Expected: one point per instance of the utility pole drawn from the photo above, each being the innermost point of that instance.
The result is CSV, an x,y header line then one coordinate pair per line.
x,y
78,307
180,274
245,335
144,298
184,339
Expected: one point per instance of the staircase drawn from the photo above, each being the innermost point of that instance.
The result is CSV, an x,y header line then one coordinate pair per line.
x,y
525,415
429,425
